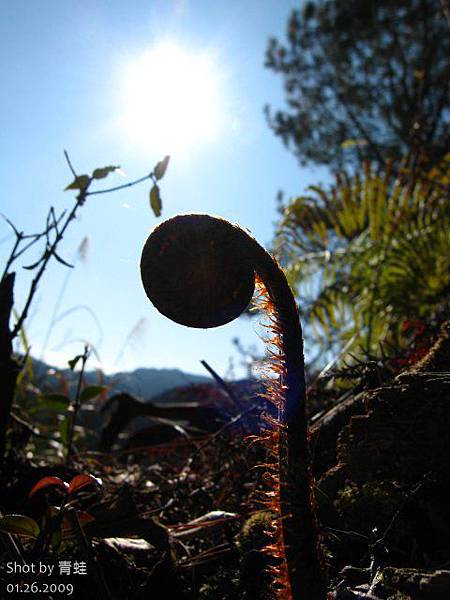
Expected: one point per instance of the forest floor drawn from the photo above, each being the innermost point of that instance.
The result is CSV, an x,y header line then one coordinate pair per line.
x,y
185,519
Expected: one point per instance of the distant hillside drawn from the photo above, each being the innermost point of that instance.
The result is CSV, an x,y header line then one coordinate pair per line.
x,y
145,383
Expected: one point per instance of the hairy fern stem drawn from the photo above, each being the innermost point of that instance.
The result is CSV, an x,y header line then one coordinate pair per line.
x,y
302,575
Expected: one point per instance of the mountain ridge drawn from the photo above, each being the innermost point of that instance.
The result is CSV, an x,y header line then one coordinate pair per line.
x,y
145,383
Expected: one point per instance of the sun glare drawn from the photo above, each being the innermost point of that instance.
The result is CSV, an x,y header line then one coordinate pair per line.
x,y
171,100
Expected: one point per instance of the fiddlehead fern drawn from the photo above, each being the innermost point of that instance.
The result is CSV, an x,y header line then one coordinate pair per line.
x,y
200,271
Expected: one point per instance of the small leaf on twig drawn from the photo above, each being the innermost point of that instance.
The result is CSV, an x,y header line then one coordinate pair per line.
x,y
55,402
79,183
73,361
161,167
104,172
91,391
155,201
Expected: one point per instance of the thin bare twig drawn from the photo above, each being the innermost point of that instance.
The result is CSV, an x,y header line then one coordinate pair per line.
x,y
223,384
76,404
123,186
66,154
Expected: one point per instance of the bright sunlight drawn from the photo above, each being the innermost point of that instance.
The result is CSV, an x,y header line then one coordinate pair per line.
x,y
171,100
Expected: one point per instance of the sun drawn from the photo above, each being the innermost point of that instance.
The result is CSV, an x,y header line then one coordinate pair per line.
x,y
171,100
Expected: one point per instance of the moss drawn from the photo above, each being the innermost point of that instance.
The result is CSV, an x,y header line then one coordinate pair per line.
x,y
370,505
255,533
254,536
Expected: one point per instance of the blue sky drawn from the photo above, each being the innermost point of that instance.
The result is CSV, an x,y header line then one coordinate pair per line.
x,y
65,66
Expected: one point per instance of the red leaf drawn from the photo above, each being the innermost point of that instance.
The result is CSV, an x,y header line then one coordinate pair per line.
x,y
46,482
81,481
83,518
